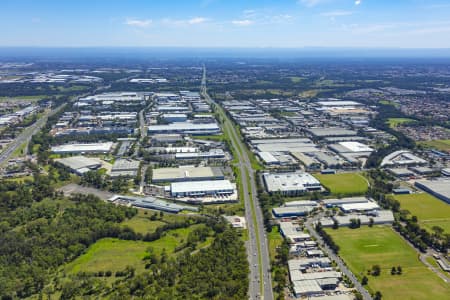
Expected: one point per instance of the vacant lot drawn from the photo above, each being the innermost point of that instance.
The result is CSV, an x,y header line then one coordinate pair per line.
x,y
364,247
429,210
344,183
394,122
442,145
112,254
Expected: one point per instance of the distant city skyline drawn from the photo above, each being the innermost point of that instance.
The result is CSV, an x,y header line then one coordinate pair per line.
x,y
232,23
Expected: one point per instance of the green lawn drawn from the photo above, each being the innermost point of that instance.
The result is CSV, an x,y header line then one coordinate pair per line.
x,y
429,210
296,79
275,239
394,122
344,183
215,138
364,247
442,145
141,223
26,98
114,254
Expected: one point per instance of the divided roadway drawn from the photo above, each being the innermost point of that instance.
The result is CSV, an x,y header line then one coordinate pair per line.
x,y
257,246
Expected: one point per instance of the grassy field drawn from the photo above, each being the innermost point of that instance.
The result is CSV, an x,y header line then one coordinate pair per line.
x,y
394,122
344,183
114,254
442,145
364,247
141,223
296,79
387,102
429,210
275,239
26,98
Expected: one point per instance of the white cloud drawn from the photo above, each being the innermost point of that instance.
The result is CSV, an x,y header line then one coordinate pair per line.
x,y
139,23
358,2
197,20
311,3
242,22
280,19
336,13
183,22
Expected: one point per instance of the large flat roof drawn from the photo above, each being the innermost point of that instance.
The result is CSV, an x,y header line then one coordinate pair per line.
x,y
185,173
125,164
79,162
440,188
293,181
331,131
201,186
345,201
337,103
92,147
402,157
356,147
183,126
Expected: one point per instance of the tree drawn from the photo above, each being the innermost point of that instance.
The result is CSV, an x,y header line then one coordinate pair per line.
x,y
335,224
377,295
364,280
399,270
376,270
393,271
358,296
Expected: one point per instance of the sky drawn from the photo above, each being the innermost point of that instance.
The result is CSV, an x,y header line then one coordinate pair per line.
x,y
226,23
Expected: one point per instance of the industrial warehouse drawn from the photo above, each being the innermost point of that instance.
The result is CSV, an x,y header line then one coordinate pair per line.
x,y
439,188
216,188
100,148
186,173
291,184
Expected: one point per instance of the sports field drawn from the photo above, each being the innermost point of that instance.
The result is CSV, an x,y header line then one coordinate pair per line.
x,y
442,145
112,254
364,247
344,183
429,210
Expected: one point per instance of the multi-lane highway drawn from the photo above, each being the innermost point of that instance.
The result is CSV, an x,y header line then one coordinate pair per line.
x,y
27,133
257,247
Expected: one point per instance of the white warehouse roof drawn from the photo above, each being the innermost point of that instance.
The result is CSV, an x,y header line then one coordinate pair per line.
x,y
201,186
81,148
290,181
356,147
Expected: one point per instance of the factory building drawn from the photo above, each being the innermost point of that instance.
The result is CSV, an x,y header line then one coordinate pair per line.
x,y
101,148
291,211
186,128
186,174
80,164
202,188
172,118
150,203
439,188
291,184
211,154
402,158
125,168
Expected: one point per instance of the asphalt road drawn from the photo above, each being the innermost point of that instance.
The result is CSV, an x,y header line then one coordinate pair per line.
x,y
257,246
310,223
27,133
